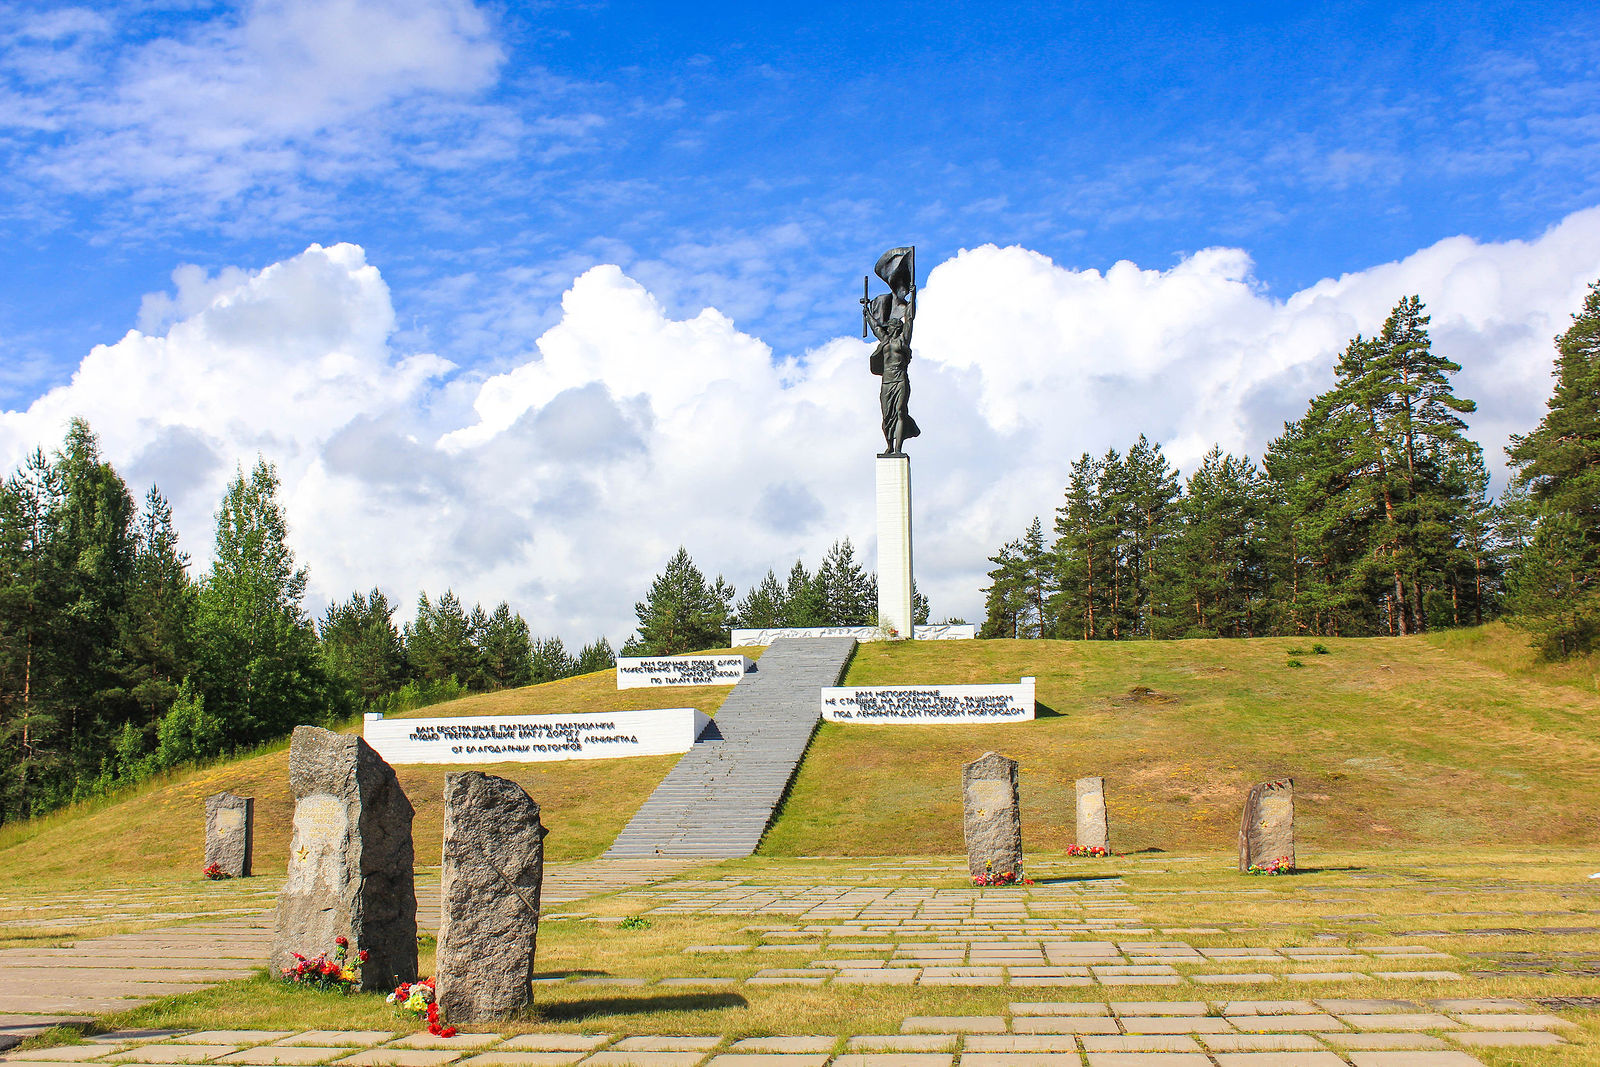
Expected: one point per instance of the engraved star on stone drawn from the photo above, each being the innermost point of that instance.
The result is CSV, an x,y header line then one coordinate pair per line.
x,y
302,854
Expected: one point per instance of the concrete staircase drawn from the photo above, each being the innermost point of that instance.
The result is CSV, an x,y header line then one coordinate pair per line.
x,y
716,803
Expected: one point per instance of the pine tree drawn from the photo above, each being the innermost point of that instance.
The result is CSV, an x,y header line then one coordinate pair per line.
x,y
96,546
1084,552
505,650
849,596
1004,599
596,656
550,661
804,602
1215,564
682,612
157,637
1150,494
361,648
1557,586
257,668
439,641
30,617
764,607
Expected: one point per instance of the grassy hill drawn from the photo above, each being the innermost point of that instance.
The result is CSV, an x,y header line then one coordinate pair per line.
x,y
1456,739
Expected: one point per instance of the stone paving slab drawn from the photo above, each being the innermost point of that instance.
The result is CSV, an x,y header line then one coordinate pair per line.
x,y
1414,1059
1140,1043
894,1059
359,1038
163,1053
643,1059
954,1024
1384,1041
1260,1042
501,1058
1063,1024
556,1042
401,1057
1422,1021
285,1054
1278,1059
902,1043
60,1052
1287,1023
1508,1039
1020,1043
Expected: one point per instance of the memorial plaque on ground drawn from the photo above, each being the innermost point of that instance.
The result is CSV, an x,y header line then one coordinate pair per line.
x,y
535,738
952,631
641,673
992,816
350,860
1266,831
907,705
230,832
1093,828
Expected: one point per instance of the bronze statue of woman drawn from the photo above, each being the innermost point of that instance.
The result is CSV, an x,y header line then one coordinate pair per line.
x,y
890,318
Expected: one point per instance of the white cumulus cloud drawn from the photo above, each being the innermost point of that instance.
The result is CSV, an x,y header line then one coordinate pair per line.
x,y
563,484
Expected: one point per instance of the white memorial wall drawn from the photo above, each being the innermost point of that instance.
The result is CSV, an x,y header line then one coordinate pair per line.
x,y
534,738
749,638
643,672
923,705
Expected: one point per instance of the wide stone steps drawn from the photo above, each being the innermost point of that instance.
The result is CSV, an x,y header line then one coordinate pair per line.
x,y
719,799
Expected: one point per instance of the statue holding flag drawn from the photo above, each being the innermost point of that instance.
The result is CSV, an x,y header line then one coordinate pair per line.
x,y
889,317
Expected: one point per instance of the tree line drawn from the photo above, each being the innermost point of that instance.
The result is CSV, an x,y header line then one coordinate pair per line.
x,y
683,612
116,662
1368,515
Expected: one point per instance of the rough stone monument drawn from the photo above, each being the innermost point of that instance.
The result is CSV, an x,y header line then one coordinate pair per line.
x,y
1093,829
992,817
890,318
493,871
1266,832
230,833
350,860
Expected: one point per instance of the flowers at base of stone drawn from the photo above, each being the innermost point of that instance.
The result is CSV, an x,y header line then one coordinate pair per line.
x,y
991,877
1283,865
215,872
329,970
418,999
1088,850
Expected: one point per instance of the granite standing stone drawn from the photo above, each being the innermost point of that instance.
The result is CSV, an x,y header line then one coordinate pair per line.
x,y
493,870
350,860
1266,832
992,818
1093,829
230,833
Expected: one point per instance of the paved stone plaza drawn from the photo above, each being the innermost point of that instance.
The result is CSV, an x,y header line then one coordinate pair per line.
x,y
1092,961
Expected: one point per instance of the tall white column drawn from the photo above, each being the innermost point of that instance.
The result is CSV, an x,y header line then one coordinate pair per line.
x,y
894,544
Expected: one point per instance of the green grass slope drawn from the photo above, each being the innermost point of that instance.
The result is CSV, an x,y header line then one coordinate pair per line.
x,y
1453,739
1456,739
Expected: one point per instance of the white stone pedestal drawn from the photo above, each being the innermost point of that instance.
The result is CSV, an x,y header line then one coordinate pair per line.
x,y
894,544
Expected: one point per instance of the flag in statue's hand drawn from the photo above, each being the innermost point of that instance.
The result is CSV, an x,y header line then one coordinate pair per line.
x,y
895,268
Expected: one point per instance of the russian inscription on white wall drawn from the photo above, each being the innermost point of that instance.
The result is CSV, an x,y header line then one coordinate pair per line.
x,y
642,673
535,738
944,631
929,704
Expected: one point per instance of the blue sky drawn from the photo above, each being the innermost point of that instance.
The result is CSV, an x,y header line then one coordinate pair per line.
x,y
755,156
755,159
